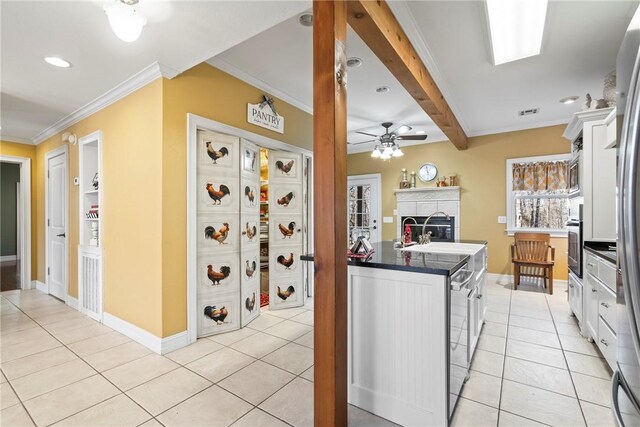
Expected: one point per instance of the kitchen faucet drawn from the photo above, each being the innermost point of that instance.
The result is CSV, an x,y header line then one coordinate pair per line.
x,y
402,244
426,238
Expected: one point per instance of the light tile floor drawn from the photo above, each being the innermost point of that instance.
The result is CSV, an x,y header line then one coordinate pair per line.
x,y
62,368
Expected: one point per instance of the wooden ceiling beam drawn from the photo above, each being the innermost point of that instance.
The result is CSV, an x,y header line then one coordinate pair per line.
x,y
379,29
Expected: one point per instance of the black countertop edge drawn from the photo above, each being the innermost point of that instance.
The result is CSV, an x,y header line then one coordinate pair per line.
x,y
387,257
601,250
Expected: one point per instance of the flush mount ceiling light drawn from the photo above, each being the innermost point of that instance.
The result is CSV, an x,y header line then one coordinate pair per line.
x,y
125,20
516,28
57,62
306,20
569,99
383,89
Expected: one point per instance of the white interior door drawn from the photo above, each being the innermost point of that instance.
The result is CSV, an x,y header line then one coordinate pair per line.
x,y
250,235
363,208
286,225
57,227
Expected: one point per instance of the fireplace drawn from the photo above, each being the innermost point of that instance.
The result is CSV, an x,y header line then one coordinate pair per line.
x,y
442,229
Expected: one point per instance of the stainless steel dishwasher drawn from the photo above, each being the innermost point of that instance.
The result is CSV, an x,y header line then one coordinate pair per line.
x,y
458,334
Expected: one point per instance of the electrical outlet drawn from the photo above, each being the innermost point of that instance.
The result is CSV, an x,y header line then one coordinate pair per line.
x,y
387,219
502,220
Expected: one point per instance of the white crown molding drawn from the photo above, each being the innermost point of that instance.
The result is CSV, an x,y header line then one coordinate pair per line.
x,y
255,82
135,82
405,17
535,125
16,139
581,117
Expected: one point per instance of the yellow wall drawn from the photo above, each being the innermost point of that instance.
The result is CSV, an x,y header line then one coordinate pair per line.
x,y
131,185
211,93
481,171
28,151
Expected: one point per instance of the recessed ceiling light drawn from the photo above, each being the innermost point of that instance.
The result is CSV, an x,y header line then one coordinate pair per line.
x,y
420,132
383,89
306,20
516,28
354,62
569,99
57,62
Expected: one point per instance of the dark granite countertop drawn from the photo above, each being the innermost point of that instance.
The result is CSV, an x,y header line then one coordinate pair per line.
x,y
387,257
603,250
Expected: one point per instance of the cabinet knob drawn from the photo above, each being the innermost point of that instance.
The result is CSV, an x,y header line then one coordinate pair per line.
x,y
590,264
571,285
604,304
594,290
603,341
479,296
244,233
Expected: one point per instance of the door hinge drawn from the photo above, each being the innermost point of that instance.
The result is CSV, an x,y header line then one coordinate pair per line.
x,y
48,223
48,174
48,271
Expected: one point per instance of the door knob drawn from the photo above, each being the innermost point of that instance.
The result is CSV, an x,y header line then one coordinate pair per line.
x,y
375,228
61,235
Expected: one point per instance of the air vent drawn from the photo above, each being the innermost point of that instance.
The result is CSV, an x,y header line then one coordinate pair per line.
x,y
528,112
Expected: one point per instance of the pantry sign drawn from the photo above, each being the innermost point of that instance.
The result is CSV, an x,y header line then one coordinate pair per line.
x,y
265,115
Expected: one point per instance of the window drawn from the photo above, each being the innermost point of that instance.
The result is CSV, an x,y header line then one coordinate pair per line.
x,y
538,194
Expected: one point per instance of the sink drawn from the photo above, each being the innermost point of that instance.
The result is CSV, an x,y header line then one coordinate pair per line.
x,y
445,248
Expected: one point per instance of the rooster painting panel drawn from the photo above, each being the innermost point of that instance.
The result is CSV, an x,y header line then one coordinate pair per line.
x,y
284,166
250,231
217,152
218,313
250,303
285,260
285,229
218,233
250,159
285,198
250,195
286,292
218,272
218,194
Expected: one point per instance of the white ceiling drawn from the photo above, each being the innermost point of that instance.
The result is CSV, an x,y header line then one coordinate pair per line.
x,y
580,45
179,35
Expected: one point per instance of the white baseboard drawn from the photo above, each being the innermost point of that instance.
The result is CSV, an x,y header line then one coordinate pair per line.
x,y
6,258
508,279
146,338
42,287
72,302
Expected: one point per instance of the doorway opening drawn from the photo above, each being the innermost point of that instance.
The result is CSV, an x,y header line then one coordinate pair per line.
x,y
15,223
364,207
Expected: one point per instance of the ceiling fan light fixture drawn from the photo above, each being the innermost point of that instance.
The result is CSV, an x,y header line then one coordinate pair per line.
x,y
376,153
388,151
126,22
397,152
385,156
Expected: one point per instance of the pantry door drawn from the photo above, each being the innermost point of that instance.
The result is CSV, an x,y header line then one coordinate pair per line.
x,y
250,234
286,230
218,271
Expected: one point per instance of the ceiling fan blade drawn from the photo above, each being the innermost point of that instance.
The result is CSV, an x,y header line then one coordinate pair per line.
x,y
402,130
368,134
412,138
360,142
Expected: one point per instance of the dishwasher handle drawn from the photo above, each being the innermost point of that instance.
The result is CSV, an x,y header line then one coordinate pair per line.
x,y
456,286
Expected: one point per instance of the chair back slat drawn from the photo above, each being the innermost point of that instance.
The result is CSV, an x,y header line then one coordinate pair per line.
x,y
532,246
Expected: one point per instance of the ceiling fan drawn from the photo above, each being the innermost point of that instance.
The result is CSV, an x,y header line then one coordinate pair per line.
x,y
389,146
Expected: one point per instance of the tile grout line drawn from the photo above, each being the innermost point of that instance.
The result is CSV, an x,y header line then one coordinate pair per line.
x,y
504,360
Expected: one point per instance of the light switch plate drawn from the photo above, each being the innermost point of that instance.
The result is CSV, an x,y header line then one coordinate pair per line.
x,y
387,219
502,220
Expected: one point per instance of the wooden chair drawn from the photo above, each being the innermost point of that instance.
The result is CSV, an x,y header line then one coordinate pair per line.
x,y
530,257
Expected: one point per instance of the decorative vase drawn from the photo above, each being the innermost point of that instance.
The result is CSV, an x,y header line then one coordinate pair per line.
x,y
609,91
404,183
413,180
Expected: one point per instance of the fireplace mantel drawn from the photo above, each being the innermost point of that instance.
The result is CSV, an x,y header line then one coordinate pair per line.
x,y
427,193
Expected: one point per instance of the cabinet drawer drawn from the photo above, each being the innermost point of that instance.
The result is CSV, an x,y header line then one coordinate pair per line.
x,y
607,274
407,208
607,343
607,306
591,264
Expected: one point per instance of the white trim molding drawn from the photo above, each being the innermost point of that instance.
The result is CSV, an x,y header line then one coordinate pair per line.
x,y
154,343
7,258
16,139
25,223
257,83
42,287
72,302
132,84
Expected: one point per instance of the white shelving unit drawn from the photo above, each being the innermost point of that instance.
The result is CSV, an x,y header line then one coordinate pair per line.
x,y
90,239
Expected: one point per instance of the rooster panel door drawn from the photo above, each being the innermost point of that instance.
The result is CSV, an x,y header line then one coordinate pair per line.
x,y
250,234
286,205
218,226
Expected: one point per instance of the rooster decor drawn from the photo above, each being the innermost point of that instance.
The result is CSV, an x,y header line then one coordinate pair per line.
x,y
217,276
215,155
220,235
286,294
215,314
250,303
284,168
286,262
287,231
217,195
286,199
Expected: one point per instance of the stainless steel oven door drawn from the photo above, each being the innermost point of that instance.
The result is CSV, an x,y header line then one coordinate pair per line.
x,y
574,255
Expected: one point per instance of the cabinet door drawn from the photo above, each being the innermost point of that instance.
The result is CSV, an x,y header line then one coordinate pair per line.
x,y
286,206
250,234
591,305
218,213
575,297
474,308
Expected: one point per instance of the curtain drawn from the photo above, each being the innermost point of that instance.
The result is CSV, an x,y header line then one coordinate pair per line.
x,y
541,177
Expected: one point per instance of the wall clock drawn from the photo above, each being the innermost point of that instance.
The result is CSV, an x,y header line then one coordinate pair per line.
x,y
428,172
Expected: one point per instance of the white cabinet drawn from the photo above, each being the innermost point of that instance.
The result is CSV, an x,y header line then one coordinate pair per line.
x,y
591,305
576,296
597,169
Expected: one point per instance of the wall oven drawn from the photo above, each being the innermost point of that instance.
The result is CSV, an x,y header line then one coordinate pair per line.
x,y
574,256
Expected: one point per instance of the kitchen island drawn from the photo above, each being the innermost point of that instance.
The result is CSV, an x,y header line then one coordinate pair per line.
x,y
410,328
